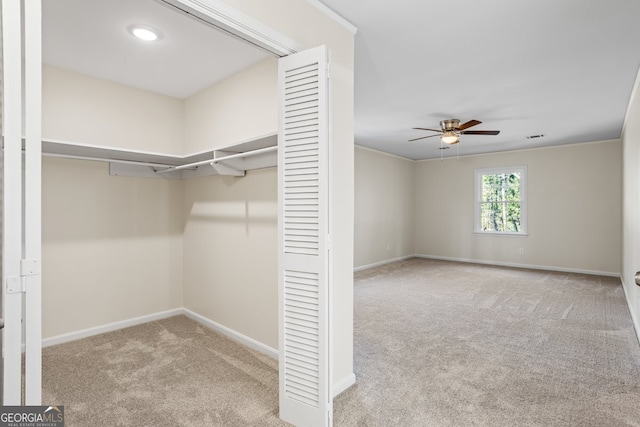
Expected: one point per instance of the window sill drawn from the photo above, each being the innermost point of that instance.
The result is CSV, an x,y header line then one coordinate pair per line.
x,y
497,234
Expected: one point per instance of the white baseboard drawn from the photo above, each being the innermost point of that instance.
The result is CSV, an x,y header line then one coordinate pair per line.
x,y
230,333
84,333
388,261
634,318
518,265
337,387
343,384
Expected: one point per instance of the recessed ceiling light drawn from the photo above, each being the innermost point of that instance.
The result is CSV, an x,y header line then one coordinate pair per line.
x,y
145,32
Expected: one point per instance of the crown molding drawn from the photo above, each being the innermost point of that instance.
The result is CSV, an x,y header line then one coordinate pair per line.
x,y
333,15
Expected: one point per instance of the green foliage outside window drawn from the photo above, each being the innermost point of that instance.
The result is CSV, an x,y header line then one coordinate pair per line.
x,y
500,204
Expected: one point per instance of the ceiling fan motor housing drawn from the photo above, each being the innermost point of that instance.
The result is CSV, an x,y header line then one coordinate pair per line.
x,y
451,124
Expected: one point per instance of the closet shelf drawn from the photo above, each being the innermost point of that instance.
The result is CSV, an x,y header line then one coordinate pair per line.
x,y
233,160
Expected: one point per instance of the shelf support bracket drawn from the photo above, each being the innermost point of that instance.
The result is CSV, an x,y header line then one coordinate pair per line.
x,y
230,167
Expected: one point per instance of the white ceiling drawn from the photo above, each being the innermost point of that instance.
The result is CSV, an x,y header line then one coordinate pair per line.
x,y
564,68
91,37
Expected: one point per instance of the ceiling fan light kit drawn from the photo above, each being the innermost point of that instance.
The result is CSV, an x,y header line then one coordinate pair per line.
x,y
450,137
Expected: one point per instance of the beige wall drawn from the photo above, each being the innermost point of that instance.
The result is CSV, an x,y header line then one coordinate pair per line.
x,y
82,109
111,246
631,206
230,233
384,207
230,252
212,286
240,108
574,209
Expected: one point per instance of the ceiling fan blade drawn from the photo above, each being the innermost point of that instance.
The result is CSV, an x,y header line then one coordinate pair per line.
x,y
422,137
480,132
432,130
468,124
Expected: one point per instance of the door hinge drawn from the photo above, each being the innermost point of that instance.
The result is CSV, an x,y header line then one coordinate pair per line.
x,y
29,267
328,242
15,285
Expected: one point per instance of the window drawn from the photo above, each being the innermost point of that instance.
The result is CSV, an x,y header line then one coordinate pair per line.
x,y
501,200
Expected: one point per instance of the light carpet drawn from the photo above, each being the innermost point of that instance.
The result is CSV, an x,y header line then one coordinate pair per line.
x,y
449,344
436,344
171,372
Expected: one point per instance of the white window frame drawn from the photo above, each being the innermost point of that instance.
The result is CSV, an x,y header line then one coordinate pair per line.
x,y
522,170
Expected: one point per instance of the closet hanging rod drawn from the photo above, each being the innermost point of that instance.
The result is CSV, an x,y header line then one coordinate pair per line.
x,y
245,154
220,159
100,159
187,166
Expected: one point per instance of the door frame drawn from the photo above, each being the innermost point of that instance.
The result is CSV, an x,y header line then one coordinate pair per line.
x,y
21,210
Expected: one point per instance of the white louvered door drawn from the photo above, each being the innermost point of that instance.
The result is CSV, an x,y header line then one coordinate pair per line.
x,y
303,148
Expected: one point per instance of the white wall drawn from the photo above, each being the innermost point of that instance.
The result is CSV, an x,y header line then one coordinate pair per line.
x,y
631,206
384,207
83,109
111,246
574,209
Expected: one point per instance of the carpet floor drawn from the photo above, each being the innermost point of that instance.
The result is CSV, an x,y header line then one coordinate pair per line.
x,y
171,372
449,344
435,344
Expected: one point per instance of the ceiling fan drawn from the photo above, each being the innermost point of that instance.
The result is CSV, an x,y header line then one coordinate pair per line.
x,y
451,130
